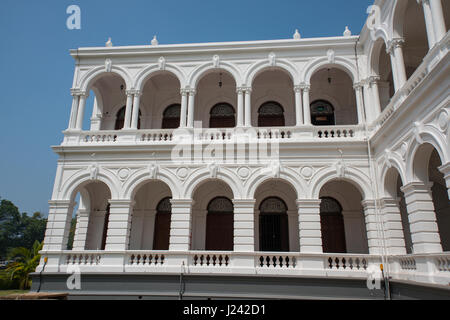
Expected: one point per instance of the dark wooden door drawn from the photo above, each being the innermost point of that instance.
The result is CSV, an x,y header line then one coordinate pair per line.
x,y
162,231
222,122
271,121
274,235
333,232
219,232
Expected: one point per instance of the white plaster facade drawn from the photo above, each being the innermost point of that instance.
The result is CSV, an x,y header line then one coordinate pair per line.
x,y
390,140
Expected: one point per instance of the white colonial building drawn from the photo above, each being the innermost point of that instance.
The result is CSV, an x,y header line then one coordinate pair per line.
x,y
261,169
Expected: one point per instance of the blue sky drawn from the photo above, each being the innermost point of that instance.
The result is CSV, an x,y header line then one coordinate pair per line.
x,y
37,71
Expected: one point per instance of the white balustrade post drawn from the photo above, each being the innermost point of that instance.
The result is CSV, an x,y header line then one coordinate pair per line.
x,y
422,218
438,19
191,108
428,22
374,236
183,112
395,239
240,107
298,106
128,109
445,169
244,237
306,105
135,113
74,109
81,230
398,63
81,107
359,103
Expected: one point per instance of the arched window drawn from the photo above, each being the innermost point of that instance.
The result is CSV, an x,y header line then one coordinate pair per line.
x,y
162,225
171,117
120,119
271,114
332,226
222,115
273,226
219,225
322,113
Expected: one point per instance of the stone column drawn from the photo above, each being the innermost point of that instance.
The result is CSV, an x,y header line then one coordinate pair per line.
x,y
183,112
81,230
119,225
240,106
306,105
309,226
128,109
74,110
58,225
244,235
374,236
422,218
191,108
359,103
374,93
438,19
298,106
180,226
294,244
392,220
136,106
445,169
398,62
248,107
81,106
428,22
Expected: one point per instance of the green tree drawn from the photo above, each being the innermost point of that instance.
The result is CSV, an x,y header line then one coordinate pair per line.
x,y
25,262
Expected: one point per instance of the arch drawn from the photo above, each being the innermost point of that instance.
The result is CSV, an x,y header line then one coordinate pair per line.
x,y
203,175
386,177
98,72
398,17
271,114
82,178
263,65
352,175
203,69
374,55
320,63
152,70
142,176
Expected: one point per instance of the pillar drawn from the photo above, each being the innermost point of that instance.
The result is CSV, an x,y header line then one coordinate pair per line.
x,y
191,108
240,106
244,235
298,105
180,225
184,97
136,106
294,244
81,106
74,110
359,103
445,169
58,225
309,226
398,64
422,218
437,14
118,235
306,105
428,22
128,109
79,240
392,221
373,229
248,107
374,93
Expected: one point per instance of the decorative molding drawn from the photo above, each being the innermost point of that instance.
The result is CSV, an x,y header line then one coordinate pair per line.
x,y
216,61
93,171
213,170
108,65
243,172
418,127
153,171
331,56
340,169
307,172
162,63
272,59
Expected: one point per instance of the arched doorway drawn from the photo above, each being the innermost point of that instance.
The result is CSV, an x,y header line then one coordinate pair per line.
x,y
273,226
222,115
120,119
322,113
162,225
219,225
271,114
332,226
171,117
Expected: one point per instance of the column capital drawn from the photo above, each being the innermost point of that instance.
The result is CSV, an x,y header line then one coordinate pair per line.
x,y
298,88
308,203
74,92
358,85
60,203
387,201
305,87
393,44
416,187
116,203
247,203
247,89
423,2
192,92
240,90
367,204
137,93
182,203
130,92
184,92
445,169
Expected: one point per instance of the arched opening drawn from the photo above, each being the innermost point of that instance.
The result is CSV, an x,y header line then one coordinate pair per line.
x,y
212,216
222,115
332,226
162,225
171,117
322,113
273,226
150,222
89,225
342,218
216,88
273,91
219,225
382,67
160,94
335,87
271,114
120,119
